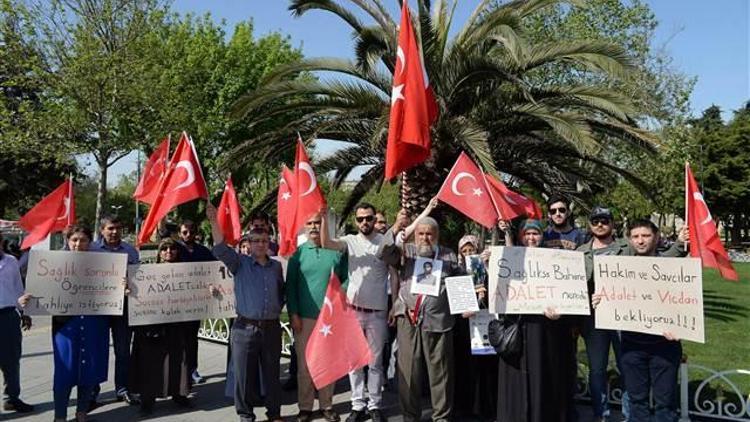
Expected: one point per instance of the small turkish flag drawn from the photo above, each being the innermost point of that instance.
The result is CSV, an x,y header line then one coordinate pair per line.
x,y
465,190
153,172
286,212
52,214
309,197
704,237
228,214
337,344
182,183
511,204
413,106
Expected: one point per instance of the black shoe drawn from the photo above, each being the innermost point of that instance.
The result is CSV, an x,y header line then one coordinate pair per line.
x,y
129,398
330,415
17,406
182,401
376,415
93,405
290,384
304,416
357,416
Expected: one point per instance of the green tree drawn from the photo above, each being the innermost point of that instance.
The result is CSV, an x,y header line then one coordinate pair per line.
x,y
493,101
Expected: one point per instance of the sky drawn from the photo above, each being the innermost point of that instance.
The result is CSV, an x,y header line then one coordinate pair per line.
x,y
706,39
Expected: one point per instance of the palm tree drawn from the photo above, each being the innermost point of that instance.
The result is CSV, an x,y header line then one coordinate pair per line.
x,y
495,102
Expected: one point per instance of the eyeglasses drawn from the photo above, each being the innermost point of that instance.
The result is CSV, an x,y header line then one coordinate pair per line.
x,y
598,221
367,218
562,210
186,231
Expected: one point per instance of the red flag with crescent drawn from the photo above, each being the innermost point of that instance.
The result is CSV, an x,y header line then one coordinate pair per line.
x,y
286,212
309,197
413,105
182,183
466,190
50,215
228,214
153,172
704,237
337,344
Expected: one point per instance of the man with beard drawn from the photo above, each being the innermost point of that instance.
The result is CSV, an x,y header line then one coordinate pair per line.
x,y
424,322
192,251
367,294
307,276
650,362
561,234
598,341
381,223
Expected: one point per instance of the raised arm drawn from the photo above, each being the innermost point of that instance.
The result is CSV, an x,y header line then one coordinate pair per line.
x,y
326,240
426,212
221,251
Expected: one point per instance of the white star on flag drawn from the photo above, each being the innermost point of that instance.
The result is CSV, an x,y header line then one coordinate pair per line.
x,y
285,196
478,192
396,94
326,330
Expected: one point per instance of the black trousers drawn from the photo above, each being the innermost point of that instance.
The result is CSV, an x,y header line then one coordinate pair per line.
x,y
652,367
10,352
192,347
252,344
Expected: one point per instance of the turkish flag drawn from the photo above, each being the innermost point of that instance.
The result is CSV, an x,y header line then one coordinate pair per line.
x,y
52,214
183,182
153,172
413,106
465,190
704,237
308,197
286,212
228,214
511,204
337,344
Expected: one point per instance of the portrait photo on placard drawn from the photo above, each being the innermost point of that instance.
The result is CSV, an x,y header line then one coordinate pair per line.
x,y
426,277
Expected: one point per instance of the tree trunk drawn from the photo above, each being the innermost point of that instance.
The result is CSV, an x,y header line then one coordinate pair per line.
x,y
101,195
418,186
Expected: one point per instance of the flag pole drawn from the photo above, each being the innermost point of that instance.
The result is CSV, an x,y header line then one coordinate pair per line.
x,y
687,221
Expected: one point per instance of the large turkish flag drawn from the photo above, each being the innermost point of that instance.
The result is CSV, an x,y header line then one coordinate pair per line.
x,y
286,204
52,214
153,172
465,190
228,214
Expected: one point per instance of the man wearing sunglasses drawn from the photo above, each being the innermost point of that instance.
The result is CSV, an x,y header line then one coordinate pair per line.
x,y
561,234
192,251
367,293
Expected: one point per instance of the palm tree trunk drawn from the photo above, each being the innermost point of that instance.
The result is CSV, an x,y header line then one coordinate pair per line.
x,y
418,186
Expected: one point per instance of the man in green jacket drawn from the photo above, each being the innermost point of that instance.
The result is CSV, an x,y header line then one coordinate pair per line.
x,y
307,276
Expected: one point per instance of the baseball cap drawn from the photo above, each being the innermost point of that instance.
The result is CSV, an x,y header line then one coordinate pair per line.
x,y
600,212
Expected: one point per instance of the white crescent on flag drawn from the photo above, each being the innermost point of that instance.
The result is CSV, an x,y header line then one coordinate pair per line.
x,y
459,176
66,201
699,197
305,166
327,303
402,59
188,166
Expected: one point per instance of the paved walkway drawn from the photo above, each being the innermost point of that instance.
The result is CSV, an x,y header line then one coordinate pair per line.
x,y
209,401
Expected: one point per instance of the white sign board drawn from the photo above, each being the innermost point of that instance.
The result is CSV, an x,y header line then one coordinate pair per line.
x,y
461,294
650,295
161,293
75,283
530,280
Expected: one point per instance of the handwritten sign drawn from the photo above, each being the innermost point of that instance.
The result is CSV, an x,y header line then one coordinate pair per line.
x,y
479,328
650,295
461,294
163,293
75,283
529,280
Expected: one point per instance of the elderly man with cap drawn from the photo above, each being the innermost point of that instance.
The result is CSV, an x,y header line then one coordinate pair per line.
x,y
424,322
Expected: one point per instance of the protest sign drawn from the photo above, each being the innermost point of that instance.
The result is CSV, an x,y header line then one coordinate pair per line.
x,y
650,295
163,293
75,283
461,294
530,280
480,338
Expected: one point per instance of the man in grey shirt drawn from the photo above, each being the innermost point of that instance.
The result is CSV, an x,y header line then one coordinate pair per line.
x,y
367,293
424,322
256,332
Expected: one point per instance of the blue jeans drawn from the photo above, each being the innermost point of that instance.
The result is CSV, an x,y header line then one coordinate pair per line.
x,y
597,350
652,367
61,395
